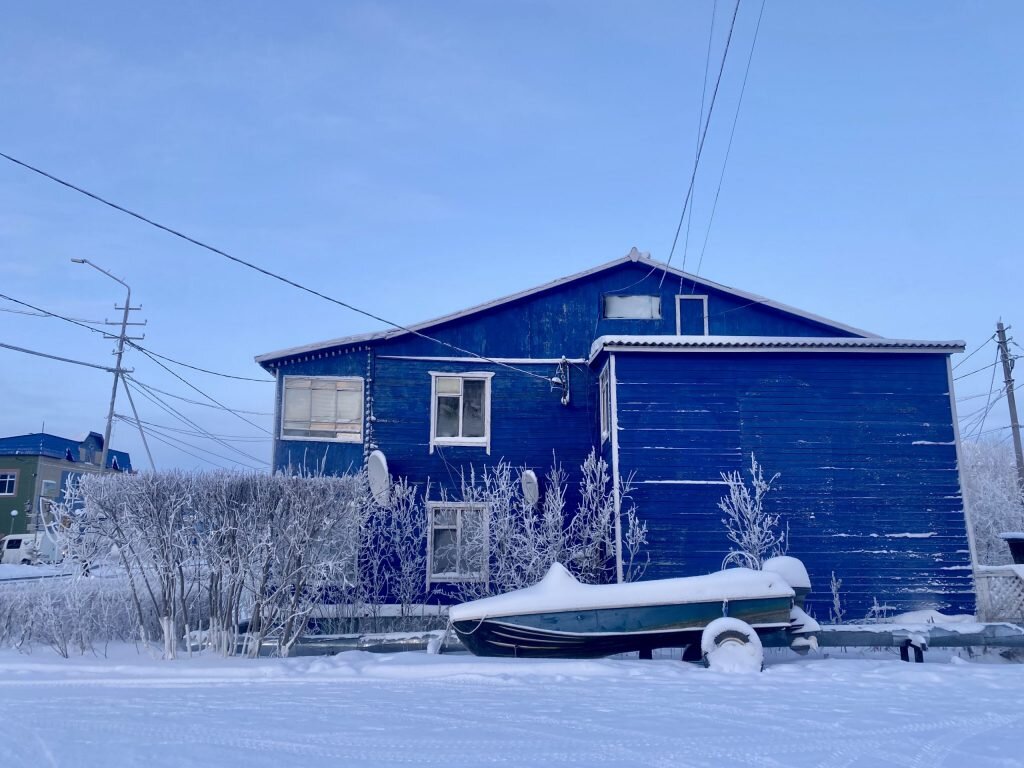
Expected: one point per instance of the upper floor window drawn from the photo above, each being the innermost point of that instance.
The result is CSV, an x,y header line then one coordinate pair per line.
x,y
8,482
322,408
458,548
632,307
692,315
460,412
604,382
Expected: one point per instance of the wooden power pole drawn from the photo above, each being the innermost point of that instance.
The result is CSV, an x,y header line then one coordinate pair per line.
x,y
1011,400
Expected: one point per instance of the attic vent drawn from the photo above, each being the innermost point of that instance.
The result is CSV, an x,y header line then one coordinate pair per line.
x,y
632,307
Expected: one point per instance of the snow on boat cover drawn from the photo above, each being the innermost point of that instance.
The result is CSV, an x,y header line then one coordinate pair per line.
x,y
560,591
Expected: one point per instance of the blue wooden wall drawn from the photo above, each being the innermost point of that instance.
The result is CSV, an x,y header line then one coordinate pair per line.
x,y
864,444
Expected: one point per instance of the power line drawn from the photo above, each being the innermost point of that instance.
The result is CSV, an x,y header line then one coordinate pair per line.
x,y
79,323
142,390
274,275
700,147
197,402
56,357
194,433
700,116
979,370
177,447
155,433
977,349
196,367
40,314
189,384
728,148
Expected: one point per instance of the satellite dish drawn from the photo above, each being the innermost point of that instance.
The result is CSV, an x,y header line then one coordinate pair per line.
x,y
531,489
380,480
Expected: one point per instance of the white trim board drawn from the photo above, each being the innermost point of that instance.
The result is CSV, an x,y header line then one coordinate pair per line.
x,y
680,298
461,442
478,361
633,256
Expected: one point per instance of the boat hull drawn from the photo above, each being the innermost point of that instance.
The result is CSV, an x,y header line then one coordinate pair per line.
x,y
593,633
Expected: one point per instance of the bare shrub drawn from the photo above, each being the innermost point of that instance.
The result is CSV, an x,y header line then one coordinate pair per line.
x,y
751,529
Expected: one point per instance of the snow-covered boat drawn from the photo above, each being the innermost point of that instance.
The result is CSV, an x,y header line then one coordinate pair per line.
x,y
560,617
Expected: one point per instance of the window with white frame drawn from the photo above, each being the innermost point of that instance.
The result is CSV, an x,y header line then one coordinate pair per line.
x,y
460,411
604,384
8,482
691,315
322,408
632,307
457,549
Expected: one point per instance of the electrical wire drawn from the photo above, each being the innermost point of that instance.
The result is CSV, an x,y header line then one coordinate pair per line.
x,y
189,384
142,390
194,433
79,323
165,393
189,453
728,148
41,314
977,349
275,275
700,121
196,367
55,357
155,432
704,134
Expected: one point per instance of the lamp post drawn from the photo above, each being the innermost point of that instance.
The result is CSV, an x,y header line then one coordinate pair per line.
x,y
117,365
14,515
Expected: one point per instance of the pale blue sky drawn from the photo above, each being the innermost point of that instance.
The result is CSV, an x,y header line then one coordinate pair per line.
x,y
418,158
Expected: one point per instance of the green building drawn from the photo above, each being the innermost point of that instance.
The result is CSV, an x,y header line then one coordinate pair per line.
x,y
35,469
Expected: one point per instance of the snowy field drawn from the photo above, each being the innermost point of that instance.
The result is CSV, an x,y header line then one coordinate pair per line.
x,y
361,709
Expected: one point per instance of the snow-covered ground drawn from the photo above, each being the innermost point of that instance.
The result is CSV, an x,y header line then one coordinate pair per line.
x,y
361,709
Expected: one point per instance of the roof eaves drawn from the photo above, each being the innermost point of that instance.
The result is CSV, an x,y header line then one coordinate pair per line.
x,y
769,344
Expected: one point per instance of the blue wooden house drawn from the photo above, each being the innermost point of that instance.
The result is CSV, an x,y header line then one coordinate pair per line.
x,y
674,379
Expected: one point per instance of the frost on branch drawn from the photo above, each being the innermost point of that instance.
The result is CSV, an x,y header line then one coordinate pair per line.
x,y
993,497
751,529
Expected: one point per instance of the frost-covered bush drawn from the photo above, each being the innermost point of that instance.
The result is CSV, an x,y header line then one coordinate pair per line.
x,y
753,531
70,615
219,551
993,497
523,540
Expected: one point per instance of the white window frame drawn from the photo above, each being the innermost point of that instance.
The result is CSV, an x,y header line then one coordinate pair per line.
x,y
680,298
355,437
604,384
656,302
13,474
477,442
460,507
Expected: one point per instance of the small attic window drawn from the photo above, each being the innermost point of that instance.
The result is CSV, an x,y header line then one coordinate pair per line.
x,y
632,307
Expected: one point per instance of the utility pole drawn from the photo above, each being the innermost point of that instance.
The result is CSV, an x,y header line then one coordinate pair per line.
x,y
1011,400
119,352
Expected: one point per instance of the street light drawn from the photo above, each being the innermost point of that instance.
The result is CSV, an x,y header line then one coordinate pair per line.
x,y
117,365
14,514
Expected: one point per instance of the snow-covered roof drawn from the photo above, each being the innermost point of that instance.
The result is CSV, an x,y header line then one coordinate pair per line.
x,y
633,256
768,344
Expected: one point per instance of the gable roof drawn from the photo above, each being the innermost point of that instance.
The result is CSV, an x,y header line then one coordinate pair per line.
x,y
634,256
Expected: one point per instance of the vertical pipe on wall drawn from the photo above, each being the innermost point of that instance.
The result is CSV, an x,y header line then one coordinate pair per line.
x,y
616,488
